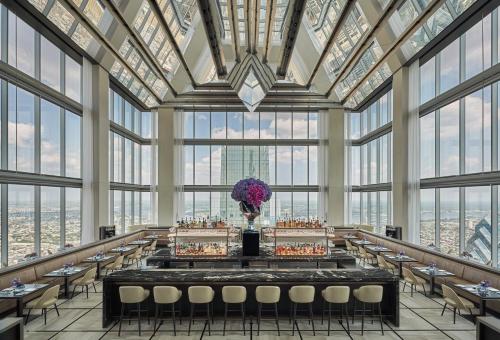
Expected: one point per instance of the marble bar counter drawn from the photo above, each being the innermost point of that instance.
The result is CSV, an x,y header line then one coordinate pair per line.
x,y
337,258
250,278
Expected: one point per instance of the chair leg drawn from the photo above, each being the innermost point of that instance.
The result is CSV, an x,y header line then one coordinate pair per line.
x,y
259,307
294,308
444,307
208,317
454,315
44,312
423,286
139,317
225,318
156,318
73,294
380,316
87,289
95,290
57,310
311,317
404,286
190,319
243,316
277,318
329,316
347,319
121,318
173,317
363,319
27,316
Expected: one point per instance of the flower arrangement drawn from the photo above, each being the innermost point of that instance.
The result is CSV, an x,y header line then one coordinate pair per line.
x,y
401,253
99,254
17,283
251,193
432,266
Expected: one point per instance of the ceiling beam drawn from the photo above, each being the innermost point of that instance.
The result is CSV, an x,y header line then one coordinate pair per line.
x,y
397,44
171,39
213,40
293,29
387,13
117,14
234,30
336,30
269,22
104,42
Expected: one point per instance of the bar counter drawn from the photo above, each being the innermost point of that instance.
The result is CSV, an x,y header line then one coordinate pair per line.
x,y
250,278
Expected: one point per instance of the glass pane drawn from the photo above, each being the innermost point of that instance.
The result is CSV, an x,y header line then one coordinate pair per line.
x,y
427,146
73,79
450,66
21,222
355,208
146,165
21,130
234,164
25,48
372,146
449,139
313,125
477,134
202,164
188,165
251,124
300,125
313,206
218,164
50,135
283,205
218,125
73,216
300,205
73,145
201,205
128,161
146,121
251,161
50,220
202,125
117,157
117,211
474,50
427,217
267,125
449,224
478,223
355,125
427,81
188,125
384,160
50,64
268,164
384,203
355,165
313,165
300,175
284,165
235,125
129,206
128,116
284,125
146,211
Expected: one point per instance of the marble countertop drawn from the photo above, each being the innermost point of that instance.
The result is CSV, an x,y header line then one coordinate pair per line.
x,y
252,275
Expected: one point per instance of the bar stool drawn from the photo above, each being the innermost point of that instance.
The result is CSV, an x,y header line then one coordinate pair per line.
x,y
337,295
234,295
130,295
199,295
371,295
165,295
302,295
267,295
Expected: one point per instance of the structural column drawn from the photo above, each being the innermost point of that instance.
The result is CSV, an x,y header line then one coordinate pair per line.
x,y
400,132
166,166
335,166
95,151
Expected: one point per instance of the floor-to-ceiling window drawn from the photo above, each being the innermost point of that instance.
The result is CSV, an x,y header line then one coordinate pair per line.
x,y
370,159
130,163
40,144
459,145
222,147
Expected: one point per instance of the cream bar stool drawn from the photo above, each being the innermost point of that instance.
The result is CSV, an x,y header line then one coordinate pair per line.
x,y
413,280
302,295
85,281
371,295
267,295
234,295
200,295
165,295
383,264
337,295
48,298
451,298
116,265
132,295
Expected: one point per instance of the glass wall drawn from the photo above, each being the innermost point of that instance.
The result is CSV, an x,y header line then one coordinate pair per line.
x,y
280,148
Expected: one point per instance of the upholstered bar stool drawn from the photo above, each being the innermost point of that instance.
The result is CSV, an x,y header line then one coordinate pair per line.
x,y
371,295
302,295
48,299
234,295
267,295
165,295
200,295
85,281
132,295
337,295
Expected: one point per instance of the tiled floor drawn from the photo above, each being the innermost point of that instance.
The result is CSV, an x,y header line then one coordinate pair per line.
x,y
81,320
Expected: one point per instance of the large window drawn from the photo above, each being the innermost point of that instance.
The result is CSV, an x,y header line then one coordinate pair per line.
x,y
281,148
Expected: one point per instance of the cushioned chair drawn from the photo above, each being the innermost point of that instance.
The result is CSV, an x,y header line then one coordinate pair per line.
x,y
350,248
48,299
135,257
371,295
132,295
151,248
337,295
85,281
200,295
116,265
413,280
383,264
451,298
302,295
234,295
165,295
267,295
365,257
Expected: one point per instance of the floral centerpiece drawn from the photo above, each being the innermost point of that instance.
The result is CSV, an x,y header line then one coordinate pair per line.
x,y
251,193
17,283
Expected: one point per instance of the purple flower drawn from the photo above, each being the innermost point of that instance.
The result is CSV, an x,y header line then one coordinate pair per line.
x,y
251,191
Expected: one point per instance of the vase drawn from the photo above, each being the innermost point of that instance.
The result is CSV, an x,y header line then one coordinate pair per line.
x,y
251,213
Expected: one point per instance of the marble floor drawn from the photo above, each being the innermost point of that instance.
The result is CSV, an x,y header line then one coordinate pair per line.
x,y
420,319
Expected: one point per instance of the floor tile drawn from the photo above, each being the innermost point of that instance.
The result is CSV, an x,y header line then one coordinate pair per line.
x,y
418,301
54,322
408,320
445,322
462,335
422,335
91,321
129,335
78,335
38,335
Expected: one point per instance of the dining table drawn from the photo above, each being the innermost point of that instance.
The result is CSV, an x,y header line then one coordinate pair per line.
x,y
489,294
362,243
399,260
99,261
21,294
430,274
140,243
69,274
377,250
124,250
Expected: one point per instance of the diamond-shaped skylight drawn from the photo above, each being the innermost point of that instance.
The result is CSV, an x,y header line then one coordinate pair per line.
x,y
251,92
